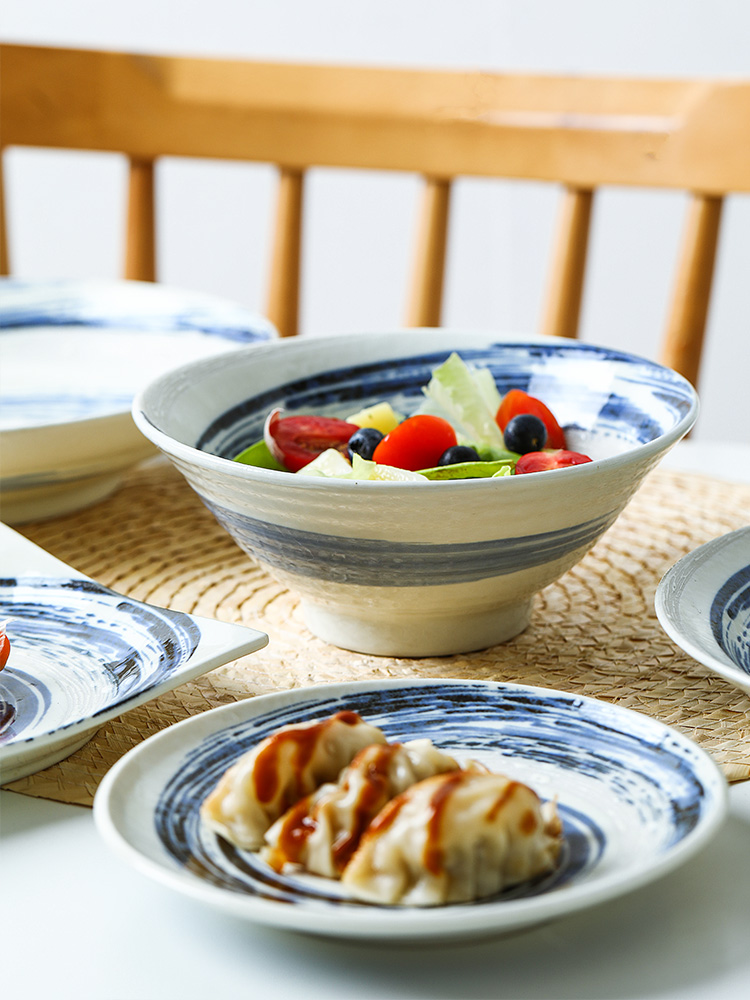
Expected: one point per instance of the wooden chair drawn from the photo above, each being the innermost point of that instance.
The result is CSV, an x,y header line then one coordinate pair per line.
x,y
580,133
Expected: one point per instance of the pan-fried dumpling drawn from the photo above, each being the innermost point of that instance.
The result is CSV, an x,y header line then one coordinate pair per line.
x,y
321,832
282,769
453,838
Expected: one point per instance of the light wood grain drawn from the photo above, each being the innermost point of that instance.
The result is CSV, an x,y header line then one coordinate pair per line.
x,y
583,133
425,305
563,303
140,245
4,256
686,324
284,286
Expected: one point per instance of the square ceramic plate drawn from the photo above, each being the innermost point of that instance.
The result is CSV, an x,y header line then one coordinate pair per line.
x,y
82,654
636,798
703,604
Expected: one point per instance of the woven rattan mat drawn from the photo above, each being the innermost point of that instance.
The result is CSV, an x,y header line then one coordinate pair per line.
x,y
593,632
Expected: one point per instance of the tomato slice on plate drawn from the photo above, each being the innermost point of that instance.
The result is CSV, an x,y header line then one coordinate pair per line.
x,y
542,461
296,441
516,401
417,443
4,646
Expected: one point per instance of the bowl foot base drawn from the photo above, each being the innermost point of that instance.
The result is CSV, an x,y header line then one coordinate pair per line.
x,y
406,635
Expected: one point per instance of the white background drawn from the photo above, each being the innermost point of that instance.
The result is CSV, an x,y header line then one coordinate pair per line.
x,y
66,210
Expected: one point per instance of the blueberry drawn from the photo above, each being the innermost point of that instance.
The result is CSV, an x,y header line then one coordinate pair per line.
x,y
458,453
364,442
525,433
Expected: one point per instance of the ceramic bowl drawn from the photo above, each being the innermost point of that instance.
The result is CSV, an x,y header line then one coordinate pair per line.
x,y
417,568
73,355
703,604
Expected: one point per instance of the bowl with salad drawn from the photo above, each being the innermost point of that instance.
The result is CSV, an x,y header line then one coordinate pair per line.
x,y
416,489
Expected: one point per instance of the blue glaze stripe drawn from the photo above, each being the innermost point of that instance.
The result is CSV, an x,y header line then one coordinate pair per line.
x,y
340,391
371,562
730,618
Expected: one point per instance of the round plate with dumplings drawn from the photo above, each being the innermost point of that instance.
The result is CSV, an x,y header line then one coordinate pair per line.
x,y
636,799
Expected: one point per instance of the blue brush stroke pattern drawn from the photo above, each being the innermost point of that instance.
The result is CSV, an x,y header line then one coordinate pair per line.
x,y
638,759
138,308
730,618
136,305
372,562
664,397
90,647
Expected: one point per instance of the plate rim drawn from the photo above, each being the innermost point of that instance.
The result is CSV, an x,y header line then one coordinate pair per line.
x,y
115,317
23,558
671,589
385,922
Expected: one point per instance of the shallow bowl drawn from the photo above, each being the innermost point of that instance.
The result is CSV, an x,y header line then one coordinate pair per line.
x,y
417,568
73,355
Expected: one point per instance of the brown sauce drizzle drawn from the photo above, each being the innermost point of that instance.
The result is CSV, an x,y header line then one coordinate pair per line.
x,y
433,851
505,796
295,829
300,822
305,740
374,794
528,823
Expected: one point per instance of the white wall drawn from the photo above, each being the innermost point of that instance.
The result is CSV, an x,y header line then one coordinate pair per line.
x,y
66,210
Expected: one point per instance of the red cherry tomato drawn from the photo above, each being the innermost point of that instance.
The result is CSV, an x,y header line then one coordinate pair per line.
x,y
296,441
541,461
4,647
516,402
417,443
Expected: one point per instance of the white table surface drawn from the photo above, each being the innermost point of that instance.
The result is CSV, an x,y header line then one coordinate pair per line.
x,y
77,922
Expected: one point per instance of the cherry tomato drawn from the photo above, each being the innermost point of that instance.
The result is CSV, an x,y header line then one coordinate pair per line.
x,y
296,441
516,401
4,647
417,443
541,461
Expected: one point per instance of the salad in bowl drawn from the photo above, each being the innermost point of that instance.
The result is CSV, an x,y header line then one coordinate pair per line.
x,y
444,556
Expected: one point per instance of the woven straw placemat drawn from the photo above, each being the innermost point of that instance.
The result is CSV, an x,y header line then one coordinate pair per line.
x,y
594,632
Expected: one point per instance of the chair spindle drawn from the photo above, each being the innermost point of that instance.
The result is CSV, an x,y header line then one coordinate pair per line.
x,y
686,326
140,243
565,292
425,304
284,285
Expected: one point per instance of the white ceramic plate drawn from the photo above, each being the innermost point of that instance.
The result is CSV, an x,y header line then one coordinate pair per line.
x,y
73,356
637,799
82,654
703,604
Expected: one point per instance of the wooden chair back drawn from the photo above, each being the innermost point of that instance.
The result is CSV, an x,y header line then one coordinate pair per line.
x,y
580,133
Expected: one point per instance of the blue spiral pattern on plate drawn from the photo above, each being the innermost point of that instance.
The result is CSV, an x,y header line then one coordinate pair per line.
x,y
730,618
77,649
513,365
650,771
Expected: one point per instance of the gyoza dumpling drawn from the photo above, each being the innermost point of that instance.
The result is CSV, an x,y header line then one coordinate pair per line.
x,y
282,769
453,838
322,831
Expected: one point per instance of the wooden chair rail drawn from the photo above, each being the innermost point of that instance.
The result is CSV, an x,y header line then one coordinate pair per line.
x,y
581,133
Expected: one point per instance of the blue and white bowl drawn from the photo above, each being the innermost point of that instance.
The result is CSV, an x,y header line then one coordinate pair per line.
x,y
73,356
703,604
416,568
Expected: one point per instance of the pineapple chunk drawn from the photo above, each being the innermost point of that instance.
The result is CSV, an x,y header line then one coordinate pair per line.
x,y
381,416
